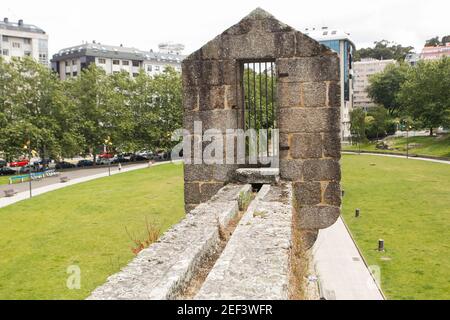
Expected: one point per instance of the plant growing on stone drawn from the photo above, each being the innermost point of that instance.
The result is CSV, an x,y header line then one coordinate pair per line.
x,y
244,200
152,235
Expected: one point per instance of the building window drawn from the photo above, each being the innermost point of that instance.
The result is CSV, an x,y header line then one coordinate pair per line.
x,y
125,63
5,52
74,73
116,62
5,39
27,41
136,63
101,61
67,74
74,63
156,68
16,45
149,68
27,53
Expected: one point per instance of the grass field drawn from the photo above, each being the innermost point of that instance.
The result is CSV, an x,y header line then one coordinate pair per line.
x,y
406,203
427,146
83,225
4,180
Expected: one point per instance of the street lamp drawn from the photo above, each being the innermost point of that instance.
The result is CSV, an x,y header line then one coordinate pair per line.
x,y
108,143
27,148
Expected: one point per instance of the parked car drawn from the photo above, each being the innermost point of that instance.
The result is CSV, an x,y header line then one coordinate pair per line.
x,y
17,164
85,163
121,159
3,163
106,156
137,157
64,165
104,161
5,171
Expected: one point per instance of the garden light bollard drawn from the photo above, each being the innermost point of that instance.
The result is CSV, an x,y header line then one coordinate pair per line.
x,y
357,213
381,245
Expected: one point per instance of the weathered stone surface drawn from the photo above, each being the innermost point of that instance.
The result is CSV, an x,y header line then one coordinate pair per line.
x,y
209,189
217,97
291,170
317,217
308,101
309,69
308,237
192,193
258,175
164,269
333,194
307,193
314,94
212,119
204,172
332,145
308,47
306,146
321,170
309,120
289,95
334,94
255,262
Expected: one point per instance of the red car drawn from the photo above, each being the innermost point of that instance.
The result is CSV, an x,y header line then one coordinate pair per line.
x,y
17,164
106,156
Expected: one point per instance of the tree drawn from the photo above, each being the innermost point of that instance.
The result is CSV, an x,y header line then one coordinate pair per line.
x,y
384,87
384,50
91,93
376,128
358,125
445,39
433,42
27,108
425,94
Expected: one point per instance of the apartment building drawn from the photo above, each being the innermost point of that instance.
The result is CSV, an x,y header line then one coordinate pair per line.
x,y
114,59
362,71
18,39
341,43
435,52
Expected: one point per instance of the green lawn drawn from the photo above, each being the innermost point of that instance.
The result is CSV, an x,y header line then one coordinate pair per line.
x,y
83,225
406,203
4,180
427,146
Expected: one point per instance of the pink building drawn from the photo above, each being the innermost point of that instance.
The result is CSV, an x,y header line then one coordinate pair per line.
x,y
433,53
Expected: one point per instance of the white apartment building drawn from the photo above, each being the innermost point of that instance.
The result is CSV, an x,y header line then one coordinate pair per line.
x,y
113,59
362,71
18,39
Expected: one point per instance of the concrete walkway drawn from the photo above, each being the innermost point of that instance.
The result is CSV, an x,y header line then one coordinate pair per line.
x,y
54,183
395,156
342,272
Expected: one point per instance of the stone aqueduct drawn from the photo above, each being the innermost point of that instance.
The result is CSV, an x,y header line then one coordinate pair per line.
x,y
245,222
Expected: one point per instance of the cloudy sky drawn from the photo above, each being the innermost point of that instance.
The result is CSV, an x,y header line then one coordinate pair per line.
x,y
145,23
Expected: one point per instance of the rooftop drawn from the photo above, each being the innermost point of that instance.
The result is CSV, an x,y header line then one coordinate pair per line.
x,y
110,51
19,26
326,34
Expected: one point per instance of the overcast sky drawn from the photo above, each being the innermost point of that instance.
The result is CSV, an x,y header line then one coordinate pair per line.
x,y
145,23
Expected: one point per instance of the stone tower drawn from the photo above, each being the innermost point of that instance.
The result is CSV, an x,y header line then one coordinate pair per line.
x,y
307,113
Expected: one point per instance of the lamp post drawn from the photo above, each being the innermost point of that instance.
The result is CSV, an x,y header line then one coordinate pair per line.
x,y
108,143
27,148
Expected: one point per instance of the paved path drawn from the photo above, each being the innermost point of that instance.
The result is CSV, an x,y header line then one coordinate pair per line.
x,y
399,156
53,183
340,267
